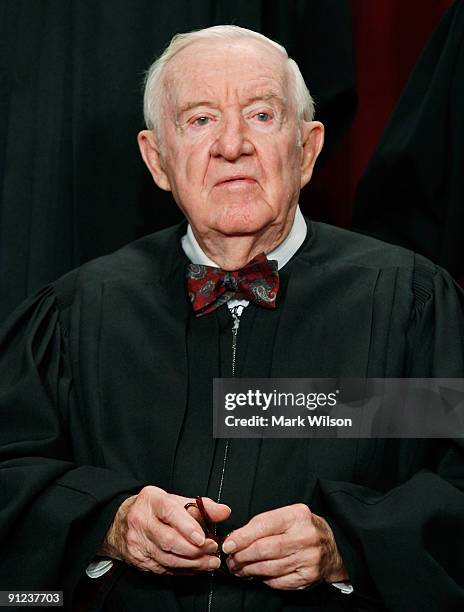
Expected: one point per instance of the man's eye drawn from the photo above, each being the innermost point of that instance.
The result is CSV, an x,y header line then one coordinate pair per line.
x,y
263,117
201,121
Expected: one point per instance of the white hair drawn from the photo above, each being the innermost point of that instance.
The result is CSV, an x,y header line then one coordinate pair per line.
x,y
153,96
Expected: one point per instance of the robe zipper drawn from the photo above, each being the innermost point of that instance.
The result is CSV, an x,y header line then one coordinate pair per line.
x,y
236,322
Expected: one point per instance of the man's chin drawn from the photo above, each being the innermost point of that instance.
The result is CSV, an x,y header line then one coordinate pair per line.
x,y
242,221
236,227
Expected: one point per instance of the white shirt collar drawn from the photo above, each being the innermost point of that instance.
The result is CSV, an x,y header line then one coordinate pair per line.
x,y
283,253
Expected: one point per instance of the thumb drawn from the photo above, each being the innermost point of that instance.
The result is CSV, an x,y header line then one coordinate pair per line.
x,y
216,512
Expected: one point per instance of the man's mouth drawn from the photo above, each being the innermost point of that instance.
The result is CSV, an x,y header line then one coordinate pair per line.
x,y
236,180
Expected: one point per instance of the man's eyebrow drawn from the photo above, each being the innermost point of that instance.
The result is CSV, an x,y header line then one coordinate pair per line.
x,y
264,97
189,105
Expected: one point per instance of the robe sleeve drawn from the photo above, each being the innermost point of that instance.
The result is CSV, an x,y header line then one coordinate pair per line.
x,y
53,513
404,546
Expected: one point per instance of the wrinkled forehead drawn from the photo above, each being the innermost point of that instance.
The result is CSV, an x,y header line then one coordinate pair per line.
x,y
224,69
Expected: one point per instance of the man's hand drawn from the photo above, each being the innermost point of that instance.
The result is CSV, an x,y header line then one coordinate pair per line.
x,y
288,548
154,532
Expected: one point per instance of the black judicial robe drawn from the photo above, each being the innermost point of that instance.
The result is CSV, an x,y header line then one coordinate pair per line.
x,y
106,386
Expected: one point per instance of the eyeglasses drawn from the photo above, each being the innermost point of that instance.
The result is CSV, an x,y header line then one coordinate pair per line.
x,y
209,529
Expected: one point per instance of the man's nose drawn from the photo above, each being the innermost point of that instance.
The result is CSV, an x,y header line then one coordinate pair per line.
x,y
232,140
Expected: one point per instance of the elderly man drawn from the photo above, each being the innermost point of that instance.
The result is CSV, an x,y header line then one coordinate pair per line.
x,y
107,375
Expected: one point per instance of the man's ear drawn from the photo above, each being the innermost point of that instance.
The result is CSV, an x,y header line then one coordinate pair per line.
x,y
150,151
312,139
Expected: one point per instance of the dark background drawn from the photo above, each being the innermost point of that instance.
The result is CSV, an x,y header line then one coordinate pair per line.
x,y
73,186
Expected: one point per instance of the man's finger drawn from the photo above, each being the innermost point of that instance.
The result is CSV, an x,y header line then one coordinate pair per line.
x,y
293,581
170,512
205,563
267,569
269,523
264,549
217,512
169,540
285,583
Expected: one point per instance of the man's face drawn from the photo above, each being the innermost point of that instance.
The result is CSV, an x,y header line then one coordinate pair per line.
x,y
230,138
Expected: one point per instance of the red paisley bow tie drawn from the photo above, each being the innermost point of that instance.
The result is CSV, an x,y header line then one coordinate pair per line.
x,y
209,287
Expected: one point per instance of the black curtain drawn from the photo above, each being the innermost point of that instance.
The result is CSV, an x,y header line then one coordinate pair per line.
x,y
413,190
72,184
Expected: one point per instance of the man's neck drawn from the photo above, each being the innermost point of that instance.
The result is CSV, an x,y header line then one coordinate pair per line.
x,y
234,252
283,252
